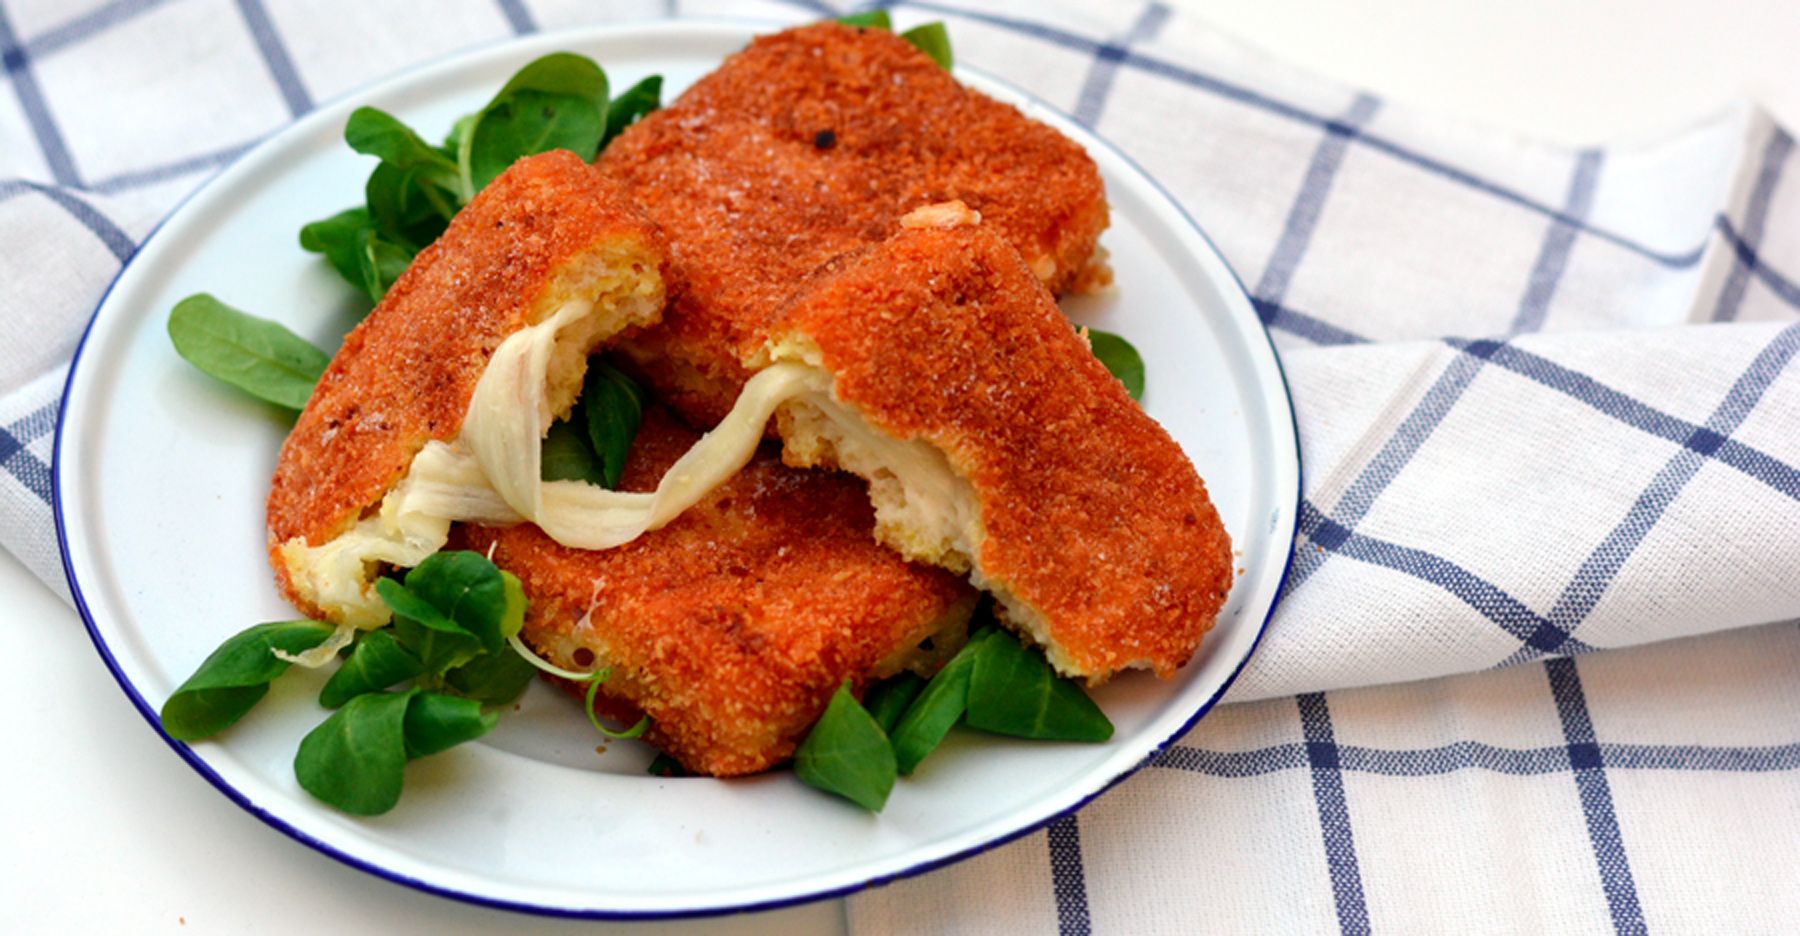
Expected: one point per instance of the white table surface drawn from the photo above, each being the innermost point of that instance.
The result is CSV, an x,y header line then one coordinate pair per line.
x,y
107,831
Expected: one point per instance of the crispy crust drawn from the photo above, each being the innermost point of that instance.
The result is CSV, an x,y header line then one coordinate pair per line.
x,y
404,376
1094,518
731,626
753,197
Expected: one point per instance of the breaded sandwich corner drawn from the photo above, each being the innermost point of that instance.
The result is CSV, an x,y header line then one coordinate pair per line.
x,y
996,444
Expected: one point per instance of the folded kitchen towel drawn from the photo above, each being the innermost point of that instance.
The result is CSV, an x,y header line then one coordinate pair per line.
x,y
1546,408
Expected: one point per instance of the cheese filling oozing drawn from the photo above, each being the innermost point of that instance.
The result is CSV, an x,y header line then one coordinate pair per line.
x,y
491,473
923,508
442,484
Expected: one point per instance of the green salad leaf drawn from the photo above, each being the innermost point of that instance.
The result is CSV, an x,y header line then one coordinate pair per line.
x,y
527,122
930,38
356,760
556,102
456,591
377,662
459,132
628,108
846,753
252,354
1120,358
436,722
379,263
995,684
413,607
235,677
614,407
1013,691
933,40
410,211
931,716
868,19
593,442
491,678
340,239
567,454
512,613
454,612
887,700
379,134
662,765
354,243
437,640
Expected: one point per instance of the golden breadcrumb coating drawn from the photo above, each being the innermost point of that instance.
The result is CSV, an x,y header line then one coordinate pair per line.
x,y
812,142
732,626
1096,533
548,230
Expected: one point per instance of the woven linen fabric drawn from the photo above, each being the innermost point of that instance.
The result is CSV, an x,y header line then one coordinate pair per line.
x,y
1546,408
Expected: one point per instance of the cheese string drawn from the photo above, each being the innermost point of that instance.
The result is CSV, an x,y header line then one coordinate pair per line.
x,y
493,472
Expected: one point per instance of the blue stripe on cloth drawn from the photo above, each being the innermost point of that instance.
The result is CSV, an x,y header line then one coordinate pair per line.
x,y
1417,428
1756,216
1296,232
1493,603
1299,324
138,178
88,24
28,469
1248,97
1553,256
1639,415
102,227
1461,755
518,17
1067,878
1784,288
1602,566
1696,757
35,424
31,101
1394,455
1759,465
1232,763
1596,797
106,17
1334,814
825,10
1098,86
1476,755
1677,261
275,56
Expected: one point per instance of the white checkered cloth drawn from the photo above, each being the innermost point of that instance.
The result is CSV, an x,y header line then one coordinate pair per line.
x,y
1546,408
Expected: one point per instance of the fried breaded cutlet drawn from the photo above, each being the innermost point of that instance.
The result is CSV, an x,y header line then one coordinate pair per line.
x,y
995,443
813,142
549,240
731,626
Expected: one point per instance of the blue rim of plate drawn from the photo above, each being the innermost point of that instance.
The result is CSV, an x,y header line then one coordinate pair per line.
x,y
205,770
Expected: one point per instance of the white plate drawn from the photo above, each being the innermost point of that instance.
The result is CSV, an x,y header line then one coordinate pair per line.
x,y
161,473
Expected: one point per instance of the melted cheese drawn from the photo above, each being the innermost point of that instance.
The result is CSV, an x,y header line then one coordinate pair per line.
x,y
923,508
443,483
492,474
